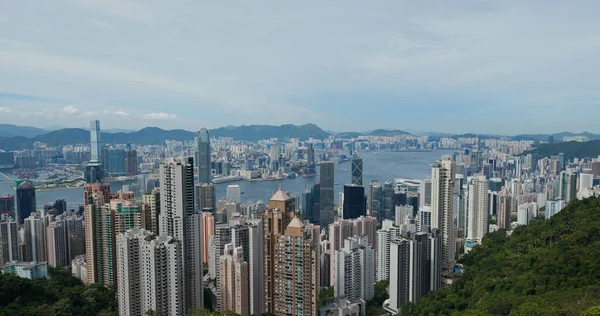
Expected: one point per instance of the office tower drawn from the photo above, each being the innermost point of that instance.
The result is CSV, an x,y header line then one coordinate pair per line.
x,y
375,207
571,187
504,208
7,205
307,206
316,204
355,270
338,232
150,274
26,203
179,220
35,239
354,204
150,210
310,158
275,219
415,269
205,197
203,157
56,238
9,242
234,281
460,202
94,170
208,230
296,272
389,203
95,141
327,181
116,162
385,236
131,161
477,223
234,193
357,170
255,266
442,184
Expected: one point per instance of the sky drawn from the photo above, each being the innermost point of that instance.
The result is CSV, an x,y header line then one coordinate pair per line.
x,y
501,67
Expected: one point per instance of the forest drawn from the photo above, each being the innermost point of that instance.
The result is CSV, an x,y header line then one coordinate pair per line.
x,y
550,267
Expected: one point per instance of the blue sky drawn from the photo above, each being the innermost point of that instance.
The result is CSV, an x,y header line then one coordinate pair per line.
x,y
449,66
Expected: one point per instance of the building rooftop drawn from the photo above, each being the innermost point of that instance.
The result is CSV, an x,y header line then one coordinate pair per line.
x,y
280,196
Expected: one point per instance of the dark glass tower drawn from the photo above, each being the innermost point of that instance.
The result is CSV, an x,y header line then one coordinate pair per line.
x,y
203,157
354,201
26,202
327,181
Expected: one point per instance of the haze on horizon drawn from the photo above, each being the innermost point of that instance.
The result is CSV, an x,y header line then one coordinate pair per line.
x,y
494,67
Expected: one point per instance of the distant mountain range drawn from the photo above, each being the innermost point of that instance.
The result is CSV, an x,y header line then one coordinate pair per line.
x,y
570,149
13,137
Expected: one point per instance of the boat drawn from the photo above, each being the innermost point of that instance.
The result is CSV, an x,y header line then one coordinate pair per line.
x,y
242,192
344,169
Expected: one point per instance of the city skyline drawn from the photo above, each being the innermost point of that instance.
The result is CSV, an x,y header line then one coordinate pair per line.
x,y
473,62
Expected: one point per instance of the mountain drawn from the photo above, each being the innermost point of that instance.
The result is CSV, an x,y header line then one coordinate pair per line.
x,y
387,132
155,135
557,136
570,149
9,130
258,132
549,267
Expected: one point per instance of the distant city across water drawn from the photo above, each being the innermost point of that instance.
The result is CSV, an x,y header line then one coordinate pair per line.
x,y
381,166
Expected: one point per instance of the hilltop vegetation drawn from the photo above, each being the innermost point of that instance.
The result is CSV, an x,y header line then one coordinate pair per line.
x,y
62,295
570,149
550,267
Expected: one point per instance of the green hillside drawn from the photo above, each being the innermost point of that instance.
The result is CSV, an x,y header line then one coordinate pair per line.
x,y
551,267
570,149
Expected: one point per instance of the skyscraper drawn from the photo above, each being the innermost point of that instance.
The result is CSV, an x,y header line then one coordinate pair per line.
x,y
354,204
203,157
94,170
131,161
7,205
338,232
275,219
355,270
255,266
504,208
296,272
26,203
75,235
442,183
327,182
208,230
150,274
375,205
179,220
57,244
234,193
385,236
9,242
310,158
234,281
477,225
35,239
205,197
357,170
150,210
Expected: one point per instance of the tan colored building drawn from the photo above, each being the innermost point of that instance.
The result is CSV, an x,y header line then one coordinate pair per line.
x,y
274,220
150,210
234,281
296,272
208,229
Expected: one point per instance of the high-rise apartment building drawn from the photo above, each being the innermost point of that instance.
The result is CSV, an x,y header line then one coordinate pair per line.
x,y
275,219
571,187
355,270
385,236
203,156
9,242
150,208
7,205
255,266
296,272
477,222
26,202
234,193
127,215
221,238
205,197
74,228
179,220
327,202
56,239
504,208
443,174
234,281
208,230
357,170
35,239
150,274
338,232
131,162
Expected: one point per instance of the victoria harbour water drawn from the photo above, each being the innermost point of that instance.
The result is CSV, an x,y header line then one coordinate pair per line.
x,y
381,166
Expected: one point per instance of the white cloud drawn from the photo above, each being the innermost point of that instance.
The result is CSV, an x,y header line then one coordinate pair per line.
x,y
121,113
5,110
69,109
159,116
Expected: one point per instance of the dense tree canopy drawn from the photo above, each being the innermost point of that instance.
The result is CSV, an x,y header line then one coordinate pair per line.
x,y
61,295
550,267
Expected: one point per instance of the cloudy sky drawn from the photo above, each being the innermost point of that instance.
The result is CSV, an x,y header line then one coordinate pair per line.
x,y
448,66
